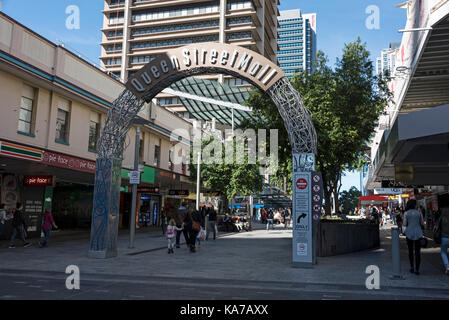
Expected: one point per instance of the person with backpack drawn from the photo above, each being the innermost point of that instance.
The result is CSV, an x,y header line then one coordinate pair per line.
x,y
47,222
414,224
270,219
442,231
18,223
170,234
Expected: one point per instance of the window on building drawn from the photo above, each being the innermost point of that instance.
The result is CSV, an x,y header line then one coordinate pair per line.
x,y
26,115
157,154
62,121
94,131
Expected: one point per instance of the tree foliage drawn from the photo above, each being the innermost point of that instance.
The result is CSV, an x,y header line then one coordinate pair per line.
x,y
349,200
344,103
227,180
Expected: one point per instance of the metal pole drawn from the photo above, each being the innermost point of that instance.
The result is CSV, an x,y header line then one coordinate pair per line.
x,y
232,121
132,222
198,182
251,206
396,253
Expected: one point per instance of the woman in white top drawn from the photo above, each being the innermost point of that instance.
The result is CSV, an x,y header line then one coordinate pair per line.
x,y
413,223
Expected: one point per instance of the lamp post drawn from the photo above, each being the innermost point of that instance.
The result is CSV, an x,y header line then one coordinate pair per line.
x,y
132,223
198,180
132,219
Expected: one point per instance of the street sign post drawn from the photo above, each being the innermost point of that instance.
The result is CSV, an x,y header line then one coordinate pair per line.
x,y
134,177
302,220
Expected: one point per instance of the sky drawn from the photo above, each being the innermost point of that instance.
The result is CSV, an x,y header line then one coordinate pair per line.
x,y
338,23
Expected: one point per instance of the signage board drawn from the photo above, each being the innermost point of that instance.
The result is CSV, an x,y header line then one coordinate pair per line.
x,y
148,190
134,177
155,211
178,192
302,219
217,56
68,162
38,181
317,195
388,191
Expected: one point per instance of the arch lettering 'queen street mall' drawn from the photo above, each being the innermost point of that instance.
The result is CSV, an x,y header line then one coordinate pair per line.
x,y
195,59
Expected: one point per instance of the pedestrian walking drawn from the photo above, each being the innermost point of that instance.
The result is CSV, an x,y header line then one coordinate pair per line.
x,y
413,223
399,221
163,220
270,219
47,223
4,216
287,218
192,224
443,225
180,216
202,214
212,224
18,223
170,234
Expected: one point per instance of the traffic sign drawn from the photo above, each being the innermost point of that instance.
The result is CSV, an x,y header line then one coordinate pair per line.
x,y
317,198
134,177
301,184
316,178
316,188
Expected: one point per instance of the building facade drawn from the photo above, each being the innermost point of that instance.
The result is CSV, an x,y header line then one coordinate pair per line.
x,y
134,31
387,59
297,41
54,105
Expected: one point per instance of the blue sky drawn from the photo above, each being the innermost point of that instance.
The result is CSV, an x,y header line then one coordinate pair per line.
x,y
338,22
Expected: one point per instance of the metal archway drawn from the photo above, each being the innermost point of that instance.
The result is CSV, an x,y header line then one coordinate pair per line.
x,y
166,69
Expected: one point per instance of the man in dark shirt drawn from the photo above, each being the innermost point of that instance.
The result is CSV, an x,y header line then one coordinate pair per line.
x,y
18,223
212,221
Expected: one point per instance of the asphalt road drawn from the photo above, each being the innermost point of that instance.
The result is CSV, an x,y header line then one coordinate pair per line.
x,y
18,285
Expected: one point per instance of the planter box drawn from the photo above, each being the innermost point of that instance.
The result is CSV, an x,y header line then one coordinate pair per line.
x,y
335,238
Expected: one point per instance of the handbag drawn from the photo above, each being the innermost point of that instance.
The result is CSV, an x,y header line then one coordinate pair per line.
x,y
423,241
202,234
437,232
196,226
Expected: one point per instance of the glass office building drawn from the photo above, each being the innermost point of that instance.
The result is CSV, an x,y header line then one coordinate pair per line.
x,y
296,41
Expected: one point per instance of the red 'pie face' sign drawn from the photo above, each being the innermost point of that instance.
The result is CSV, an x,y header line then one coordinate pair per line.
x,y
301,184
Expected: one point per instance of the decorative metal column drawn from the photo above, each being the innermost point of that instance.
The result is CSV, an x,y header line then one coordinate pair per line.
x,y
104,229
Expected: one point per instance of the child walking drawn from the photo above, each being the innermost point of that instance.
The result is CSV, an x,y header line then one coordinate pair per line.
x,y
170,234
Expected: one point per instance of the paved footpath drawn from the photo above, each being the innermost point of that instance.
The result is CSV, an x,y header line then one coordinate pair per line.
x,y
247,265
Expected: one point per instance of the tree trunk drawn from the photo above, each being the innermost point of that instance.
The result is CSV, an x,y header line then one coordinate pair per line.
x,y
327,198
336,203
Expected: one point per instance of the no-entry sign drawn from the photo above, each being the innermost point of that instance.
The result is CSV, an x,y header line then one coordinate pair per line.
x,y
301,184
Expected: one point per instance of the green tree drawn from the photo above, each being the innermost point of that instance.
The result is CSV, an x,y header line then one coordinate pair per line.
x,y
227,180
349,200
344,103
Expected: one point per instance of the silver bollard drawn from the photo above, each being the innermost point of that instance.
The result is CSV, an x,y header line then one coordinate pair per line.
x,y
396,254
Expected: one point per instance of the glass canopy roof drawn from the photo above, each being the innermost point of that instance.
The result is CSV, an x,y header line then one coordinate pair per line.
x,y
207,99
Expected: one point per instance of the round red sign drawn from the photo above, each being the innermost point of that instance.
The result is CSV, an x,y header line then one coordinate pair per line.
x,y
301,184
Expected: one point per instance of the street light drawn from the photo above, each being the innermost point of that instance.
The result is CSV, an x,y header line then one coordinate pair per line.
x,y
132,223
